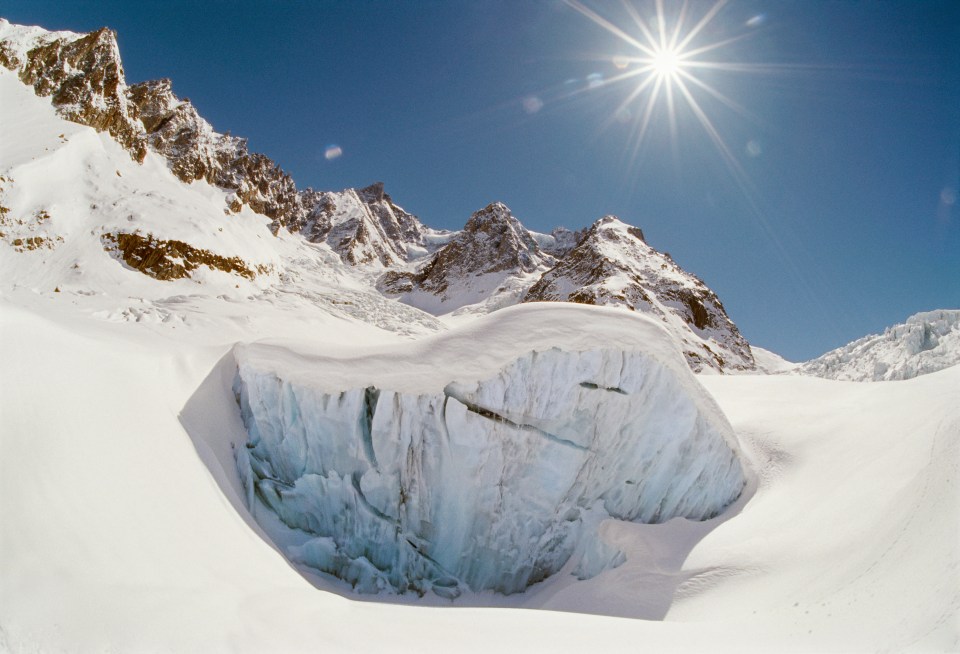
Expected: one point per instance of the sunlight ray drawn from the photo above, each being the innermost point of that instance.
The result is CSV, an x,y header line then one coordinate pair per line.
x,y
607,25
641,24
692,34
676,28
736,106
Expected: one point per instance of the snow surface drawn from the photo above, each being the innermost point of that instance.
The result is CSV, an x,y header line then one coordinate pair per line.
x,y
125,526
925,343
401,472
123,523
770,363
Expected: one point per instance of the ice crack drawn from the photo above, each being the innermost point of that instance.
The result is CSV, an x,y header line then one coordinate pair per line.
x,y
496,417
612,389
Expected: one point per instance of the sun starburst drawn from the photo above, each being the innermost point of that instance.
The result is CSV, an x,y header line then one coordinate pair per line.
x,y
668,56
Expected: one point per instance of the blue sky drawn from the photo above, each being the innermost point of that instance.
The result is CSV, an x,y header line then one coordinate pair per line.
x,y
836,215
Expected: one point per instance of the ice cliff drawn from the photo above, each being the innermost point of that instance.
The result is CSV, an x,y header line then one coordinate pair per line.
x,y
401,476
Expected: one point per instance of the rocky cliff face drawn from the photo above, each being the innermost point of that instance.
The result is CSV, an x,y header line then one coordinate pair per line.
x,y
195,151
612,265
82,75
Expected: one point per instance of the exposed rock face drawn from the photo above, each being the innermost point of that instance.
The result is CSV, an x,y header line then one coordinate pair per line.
x,y
166,260
195,151
613,266
84,77
365,227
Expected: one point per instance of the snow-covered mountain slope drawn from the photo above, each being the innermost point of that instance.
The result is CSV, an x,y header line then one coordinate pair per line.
x,y
770,363
925,343
491,263
83,76
364,227
489,460
612,265
79,217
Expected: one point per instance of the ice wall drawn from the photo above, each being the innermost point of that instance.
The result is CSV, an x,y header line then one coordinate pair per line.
x,y
482,485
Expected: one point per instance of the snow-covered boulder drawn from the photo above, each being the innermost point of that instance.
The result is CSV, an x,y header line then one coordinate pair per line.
x,y
925,343
483,458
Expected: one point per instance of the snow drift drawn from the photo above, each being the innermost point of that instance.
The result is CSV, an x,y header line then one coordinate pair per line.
x,y
492,480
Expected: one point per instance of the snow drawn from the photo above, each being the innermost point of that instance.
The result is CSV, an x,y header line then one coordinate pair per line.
x,y
481,485
925,343
770,363
122,528
124,519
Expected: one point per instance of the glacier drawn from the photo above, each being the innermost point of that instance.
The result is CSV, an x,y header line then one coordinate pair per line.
x,y
927,342
402,479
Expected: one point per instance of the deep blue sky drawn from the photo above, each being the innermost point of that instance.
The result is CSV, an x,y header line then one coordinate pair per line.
x,y
844,220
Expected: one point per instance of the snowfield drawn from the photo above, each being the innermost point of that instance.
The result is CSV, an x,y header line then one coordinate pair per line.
x,y
130,513
125,526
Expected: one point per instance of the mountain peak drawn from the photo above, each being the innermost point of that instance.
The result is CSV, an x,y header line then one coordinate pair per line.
x,y
372,193
612,265
495,212
612,222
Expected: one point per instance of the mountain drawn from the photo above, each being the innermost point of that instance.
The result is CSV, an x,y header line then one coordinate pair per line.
x,y
364,226
489,262
612,265
493,262
925,343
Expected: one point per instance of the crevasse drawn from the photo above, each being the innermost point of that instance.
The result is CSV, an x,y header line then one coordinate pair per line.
x,y
483,485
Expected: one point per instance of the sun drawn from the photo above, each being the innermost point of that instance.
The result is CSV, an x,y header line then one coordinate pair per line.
x,y
666,62
668,56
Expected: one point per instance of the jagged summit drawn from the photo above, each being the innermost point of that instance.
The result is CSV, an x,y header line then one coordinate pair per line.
x,y
612,265
365,227
499,241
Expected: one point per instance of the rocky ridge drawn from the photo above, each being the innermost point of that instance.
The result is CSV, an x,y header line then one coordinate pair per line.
x,y
364,226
